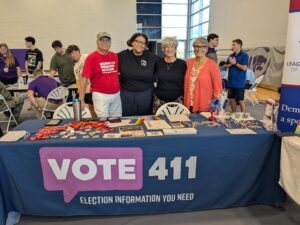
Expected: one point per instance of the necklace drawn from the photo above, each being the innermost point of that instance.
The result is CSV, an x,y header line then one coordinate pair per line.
x,y
169,65
199,64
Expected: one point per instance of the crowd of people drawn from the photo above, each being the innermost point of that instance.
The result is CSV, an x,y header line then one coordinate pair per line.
x,y
131,82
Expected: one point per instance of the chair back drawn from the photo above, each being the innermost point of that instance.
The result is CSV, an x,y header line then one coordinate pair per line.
x,y
65,111
11,117
173,108
6,109
223,99
59,93
256,82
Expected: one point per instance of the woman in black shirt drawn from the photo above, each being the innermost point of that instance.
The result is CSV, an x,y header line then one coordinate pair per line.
x,y
170,73
137,67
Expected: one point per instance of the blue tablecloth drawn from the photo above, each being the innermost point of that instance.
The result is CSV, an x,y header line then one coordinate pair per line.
x,y
227,171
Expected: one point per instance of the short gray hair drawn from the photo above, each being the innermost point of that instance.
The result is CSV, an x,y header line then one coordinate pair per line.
x,y
167,41
201,40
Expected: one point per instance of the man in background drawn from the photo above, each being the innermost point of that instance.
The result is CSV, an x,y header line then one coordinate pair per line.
x,y
33,58
250,78
213,42
237,64
62,63
224,74
79,59
38,91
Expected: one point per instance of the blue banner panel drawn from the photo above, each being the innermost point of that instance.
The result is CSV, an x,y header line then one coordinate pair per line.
x,y
289,108
212,169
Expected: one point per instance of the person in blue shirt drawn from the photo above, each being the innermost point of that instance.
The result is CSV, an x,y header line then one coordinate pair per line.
x,y
237,66
224,74
250,78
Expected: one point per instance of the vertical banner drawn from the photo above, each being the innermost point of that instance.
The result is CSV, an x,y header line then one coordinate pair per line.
x,y
289,105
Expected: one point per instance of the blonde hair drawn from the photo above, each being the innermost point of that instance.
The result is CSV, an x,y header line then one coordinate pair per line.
x,y
37,72
201,40
169,41
10,60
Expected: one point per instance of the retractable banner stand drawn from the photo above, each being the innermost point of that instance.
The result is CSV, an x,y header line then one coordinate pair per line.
x,y
289,106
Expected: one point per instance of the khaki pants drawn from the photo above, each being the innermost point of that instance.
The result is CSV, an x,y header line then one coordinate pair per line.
x,y
41,103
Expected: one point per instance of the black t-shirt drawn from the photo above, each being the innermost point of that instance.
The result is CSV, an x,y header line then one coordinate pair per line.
x,y
137,72
33,58
170,79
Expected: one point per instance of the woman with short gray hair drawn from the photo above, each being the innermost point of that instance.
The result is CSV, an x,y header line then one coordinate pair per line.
x,y
203,81
167,41
169,75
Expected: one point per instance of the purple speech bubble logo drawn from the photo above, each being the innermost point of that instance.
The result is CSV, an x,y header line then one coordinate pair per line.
x,y
74,169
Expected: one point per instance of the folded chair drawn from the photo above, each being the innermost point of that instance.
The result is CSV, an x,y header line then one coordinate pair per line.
x,y
250,94
11,117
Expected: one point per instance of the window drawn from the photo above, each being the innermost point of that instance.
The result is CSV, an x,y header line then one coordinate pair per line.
x,y
199,21
149,21
174,22
148,1
149,18
174,9
161,18
154,33
168,21
184,19
179,33
149,9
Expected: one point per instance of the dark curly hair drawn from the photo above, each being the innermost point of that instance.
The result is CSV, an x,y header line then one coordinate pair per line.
x,y
133,37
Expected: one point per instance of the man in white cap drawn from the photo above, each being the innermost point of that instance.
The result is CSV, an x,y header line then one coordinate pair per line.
x,y
101,67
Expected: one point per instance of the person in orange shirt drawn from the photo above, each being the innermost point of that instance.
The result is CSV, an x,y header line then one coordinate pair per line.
x,y
203,81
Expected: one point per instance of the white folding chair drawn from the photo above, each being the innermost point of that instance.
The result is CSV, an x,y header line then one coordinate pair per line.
x,y
65,111
224,98
250,94
11,117
59,93
173,108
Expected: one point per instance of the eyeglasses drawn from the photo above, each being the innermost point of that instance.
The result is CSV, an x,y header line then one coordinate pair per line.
x,y
104,40
200,46
169,46
140,42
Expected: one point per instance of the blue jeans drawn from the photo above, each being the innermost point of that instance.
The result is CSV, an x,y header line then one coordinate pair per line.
x,y
137,103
